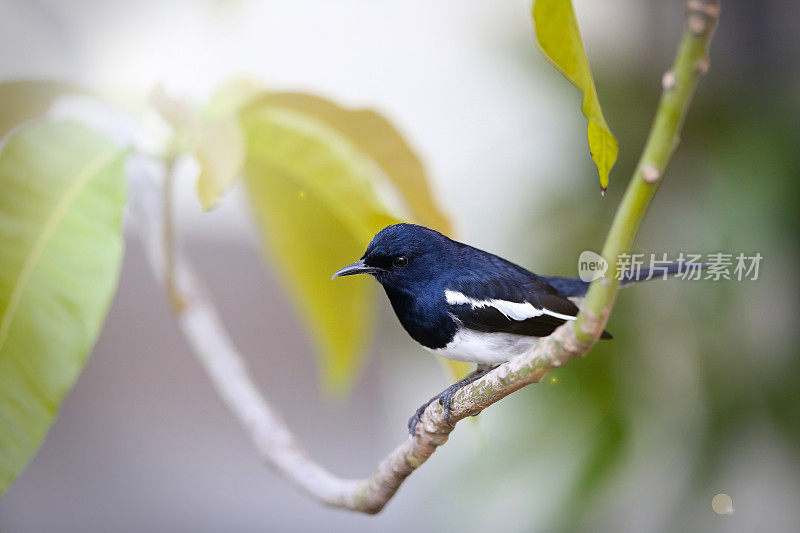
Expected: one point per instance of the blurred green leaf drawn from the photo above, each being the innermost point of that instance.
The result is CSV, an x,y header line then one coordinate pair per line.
x,y
560,40
378,139
312,192
60,249
231,98
23,100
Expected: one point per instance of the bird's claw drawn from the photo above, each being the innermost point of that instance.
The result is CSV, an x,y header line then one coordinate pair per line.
x,y
446,401
415,418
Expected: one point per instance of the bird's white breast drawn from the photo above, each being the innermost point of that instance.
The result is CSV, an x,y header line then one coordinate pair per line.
x,y
485,348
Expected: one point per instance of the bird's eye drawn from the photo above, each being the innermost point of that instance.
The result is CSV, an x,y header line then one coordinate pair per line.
x,y
400,261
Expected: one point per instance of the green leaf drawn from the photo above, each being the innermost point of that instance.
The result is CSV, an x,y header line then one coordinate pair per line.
x,y
381,152
312,193
23,100
232,97
378,139
60,250
560,40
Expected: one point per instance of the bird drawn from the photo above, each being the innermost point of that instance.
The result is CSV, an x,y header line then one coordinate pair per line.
x,y
465,304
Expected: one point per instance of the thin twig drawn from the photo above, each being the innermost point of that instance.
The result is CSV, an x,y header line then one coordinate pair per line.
x,y
168,238
211,344
278,447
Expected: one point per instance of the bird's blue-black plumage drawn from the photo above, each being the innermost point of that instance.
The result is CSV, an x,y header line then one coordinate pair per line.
x,y
437,264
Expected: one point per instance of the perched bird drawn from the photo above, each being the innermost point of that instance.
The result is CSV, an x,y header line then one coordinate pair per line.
x,y
465,304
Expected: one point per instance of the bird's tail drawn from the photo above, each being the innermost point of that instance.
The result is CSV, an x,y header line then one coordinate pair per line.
x,y
576,287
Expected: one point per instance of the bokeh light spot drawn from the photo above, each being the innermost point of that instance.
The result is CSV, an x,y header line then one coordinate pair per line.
x,y
561,386
722,504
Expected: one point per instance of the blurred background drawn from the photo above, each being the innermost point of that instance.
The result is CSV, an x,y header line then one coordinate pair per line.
x,y
697,395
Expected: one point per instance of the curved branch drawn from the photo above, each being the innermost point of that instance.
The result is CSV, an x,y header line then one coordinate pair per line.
x,y
272,438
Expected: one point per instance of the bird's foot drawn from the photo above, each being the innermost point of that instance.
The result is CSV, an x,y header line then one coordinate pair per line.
x,y
445,399
414,420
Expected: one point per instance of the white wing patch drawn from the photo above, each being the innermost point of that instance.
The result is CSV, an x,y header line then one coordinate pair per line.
x,y
513,310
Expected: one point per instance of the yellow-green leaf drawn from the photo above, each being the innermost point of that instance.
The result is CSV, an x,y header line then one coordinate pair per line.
x,y
231,98
63,192
378,139
23,100
560,40
311,189
375,138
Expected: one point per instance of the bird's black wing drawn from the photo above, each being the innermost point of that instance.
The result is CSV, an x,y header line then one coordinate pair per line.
x,y
508,304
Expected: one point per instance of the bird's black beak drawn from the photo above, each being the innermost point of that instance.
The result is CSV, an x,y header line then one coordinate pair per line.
x,y
359,267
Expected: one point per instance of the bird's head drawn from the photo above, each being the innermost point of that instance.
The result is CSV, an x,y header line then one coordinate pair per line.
x,y
402,254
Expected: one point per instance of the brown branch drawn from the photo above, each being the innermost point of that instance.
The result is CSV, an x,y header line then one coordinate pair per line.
x,y
432,431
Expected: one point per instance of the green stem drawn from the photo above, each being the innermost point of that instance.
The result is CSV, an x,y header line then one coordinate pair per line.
x,y
678,83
